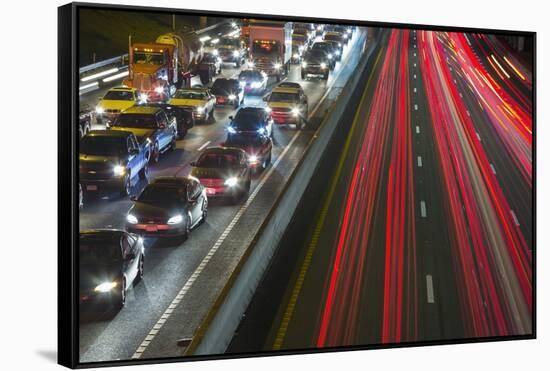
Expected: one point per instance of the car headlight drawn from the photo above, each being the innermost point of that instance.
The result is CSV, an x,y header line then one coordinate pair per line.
x,y
215,52
250,64
261,131
301,48
200,109
330,56
105,287
277,66
231,182
295,111
131,219
319,28
231,129
304,64
337,52
349,30
323,65
99,110
242,83
232,97
252,158
159,90
177,219
235,53
345,36
143,98
268,109
119,170
296,55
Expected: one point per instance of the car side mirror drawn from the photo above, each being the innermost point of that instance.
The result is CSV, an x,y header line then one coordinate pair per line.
x,y
231,118
133,198
193,164
134,151
266,97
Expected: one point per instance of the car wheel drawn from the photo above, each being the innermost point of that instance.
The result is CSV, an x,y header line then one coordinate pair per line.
x,y
187,228
126,186
303,76
155,153
299,124
325,76
204,211
144,172
139,275
237,64
173,144
268,161
122,295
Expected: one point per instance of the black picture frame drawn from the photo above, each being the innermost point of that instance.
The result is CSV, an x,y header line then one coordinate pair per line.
x,y
68,102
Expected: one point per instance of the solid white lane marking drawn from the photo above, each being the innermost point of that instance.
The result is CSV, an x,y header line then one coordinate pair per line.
x,y
516,221
417,129
419,161
423,209
430,289
416,107
189,283
203,146
493,169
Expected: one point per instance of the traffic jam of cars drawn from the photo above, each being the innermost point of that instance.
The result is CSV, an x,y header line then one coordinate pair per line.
x,y
174,85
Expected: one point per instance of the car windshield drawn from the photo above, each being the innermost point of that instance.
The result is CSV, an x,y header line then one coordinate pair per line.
x,y
93,145
247,120
148,58
218,160
283,97
244,141
320,46
138,121
119,95
223,86
316,56
95,250
187,94
162,194
261,47
333,37
229,42
250,75
299,37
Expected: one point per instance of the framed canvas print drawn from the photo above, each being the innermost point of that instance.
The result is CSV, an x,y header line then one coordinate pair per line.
x,y
235,185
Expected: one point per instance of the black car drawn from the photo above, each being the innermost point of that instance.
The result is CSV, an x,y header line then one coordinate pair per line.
x,y
109,160
223,172
257,147
228,91
181,114
110,261
149,124
315,62
329,51
253,81
250,120
168,206
337,47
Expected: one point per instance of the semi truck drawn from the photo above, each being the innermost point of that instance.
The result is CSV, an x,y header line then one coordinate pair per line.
x,y
270,47
158,68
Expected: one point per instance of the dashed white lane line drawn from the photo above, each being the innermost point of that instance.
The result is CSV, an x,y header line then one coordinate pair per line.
x,y
417,129
414,54
430,289
493,169
468,113
414,90
187,286
419,161
516,221
414,75
423,209
414,64
478,136
203,146
416,107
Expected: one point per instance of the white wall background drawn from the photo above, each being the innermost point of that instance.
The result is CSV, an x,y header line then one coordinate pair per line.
x,y
28,151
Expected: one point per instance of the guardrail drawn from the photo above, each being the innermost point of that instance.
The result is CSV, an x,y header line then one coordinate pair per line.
x,y
218,327
94,75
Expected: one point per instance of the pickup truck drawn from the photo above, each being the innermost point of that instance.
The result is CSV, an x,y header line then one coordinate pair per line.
x,y
109,160
149,124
